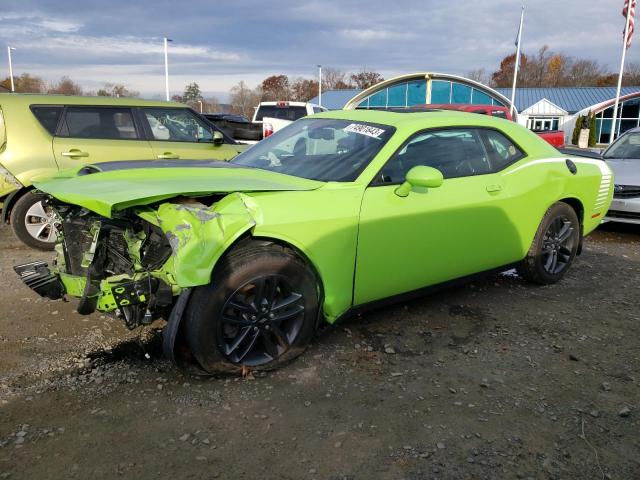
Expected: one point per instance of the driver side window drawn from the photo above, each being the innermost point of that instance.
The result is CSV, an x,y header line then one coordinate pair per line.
x,y
455,152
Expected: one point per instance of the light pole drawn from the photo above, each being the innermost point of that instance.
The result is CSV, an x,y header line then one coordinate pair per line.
x,y
320,85
13,87
166,66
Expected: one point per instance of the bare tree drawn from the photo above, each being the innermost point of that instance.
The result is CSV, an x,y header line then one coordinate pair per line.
x,y
65,86
334,79
118,90
244,99
584,73
479,75
631,75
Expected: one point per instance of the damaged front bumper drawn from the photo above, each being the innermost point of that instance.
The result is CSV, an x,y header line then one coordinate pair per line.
x,y
112,265
136,264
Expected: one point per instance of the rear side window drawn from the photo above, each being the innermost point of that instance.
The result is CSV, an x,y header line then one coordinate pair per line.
x,y
97,122
501,150
48,117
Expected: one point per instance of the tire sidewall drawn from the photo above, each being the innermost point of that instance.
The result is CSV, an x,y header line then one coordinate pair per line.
x,y
557,210
18,221
206,304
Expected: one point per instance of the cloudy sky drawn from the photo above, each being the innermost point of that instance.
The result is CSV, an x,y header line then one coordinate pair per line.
x,y
217,43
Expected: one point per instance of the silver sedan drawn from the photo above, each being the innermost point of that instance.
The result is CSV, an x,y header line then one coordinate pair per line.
x,y
623,157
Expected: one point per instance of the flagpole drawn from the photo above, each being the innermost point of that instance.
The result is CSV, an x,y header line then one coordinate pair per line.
x,y
517,65
624,54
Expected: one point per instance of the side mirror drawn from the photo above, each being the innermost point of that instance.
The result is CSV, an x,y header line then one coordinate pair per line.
x,y
420,176
218,138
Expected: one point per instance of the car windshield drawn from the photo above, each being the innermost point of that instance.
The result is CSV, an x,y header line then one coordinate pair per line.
x,y
626,147
328,150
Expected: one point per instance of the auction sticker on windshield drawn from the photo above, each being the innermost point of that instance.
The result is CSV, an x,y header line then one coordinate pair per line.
x,y
367,130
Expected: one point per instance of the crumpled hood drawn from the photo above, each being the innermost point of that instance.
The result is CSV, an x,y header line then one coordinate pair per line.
x,y
111,186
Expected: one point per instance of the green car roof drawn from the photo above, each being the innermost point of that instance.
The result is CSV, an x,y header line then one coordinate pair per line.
x,y
39,99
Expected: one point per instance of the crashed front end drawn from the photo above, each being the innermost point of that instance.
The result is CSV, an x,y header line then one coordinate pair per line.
x,y
134,264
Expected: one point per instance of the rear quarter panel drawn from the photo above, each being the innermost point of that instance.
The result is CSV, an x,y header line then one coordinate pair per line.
x,y
534,185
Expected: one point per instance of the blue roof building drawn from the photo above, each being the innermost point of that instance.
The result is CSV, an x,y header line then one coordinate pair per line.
x,y
538,108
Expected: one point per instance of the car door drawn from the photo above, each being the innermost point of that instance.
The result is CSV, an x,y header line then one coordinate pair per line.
x,y
178,133
92,134
437,234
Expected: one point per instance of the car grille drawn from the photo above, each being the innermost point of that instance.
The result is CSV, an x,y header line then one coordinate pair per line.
x,y
621,214
626,191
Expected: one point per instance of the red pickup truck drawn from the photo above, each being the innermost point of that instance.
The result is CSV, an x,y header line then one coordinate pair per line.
x,y
553,137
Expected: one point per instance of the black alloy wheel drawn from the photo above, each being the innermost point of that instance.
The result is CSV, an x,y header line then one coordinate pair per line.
x,y
554,246
558,245
260,321
260,310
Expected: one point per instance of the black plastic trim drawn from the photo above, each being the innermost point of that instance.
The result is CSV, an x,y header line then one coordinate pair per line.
x,y
357,309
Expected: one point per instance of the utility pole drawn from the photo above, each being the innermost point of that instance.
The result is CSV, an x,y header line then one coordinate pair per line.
x,y
320,85
517,64
166,66
13,87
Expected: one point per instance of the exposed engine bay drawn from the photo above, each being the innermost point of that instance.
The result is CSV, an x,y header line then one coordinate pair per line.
x,y
112,265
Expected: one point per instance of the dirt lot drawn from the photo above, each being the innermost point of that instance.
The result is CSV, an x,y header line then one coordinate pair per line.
x,y
497,379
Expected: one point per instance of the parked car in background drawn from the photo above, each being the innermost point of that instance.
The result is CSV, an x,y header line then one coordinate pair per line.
x,y
330,216
623,157
552,137
42,134
275,116
237,127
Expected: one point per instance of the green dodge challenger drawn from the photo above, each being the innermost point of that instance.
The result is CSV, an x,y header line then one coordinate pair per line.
x,y
336,213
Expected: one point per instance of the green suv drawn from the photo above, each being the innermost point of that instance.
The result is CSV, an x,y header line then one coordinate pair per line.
x,y
42,134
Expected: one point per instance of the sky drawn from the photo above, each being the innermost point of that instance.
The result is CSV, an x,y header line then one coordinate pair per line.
x,y
218,43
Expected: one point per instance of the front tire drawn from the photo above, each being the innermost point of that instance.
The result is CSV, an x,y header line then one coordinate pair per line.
x,y
33,223
259,311
554,246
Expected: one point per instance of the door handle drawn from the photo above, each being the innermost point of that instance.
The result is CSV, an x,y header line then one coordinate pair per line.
x,y
74,153
494,188
168,156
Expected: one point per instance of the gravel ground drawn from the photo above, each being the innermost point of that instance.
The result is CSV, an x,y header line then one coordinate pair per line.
x,y
496,379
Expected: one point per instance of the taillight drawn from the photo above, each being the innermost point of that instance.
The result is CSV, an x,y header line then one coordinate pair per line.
x,y
267,130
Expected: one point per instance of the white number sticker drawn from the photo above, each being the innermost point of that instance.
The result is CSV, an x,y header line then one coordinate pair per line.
x,y
364,130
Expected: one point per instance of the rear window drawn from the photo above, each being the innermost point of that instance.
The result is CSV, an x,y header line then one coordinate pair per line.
x,y
283,113
48,117
97,122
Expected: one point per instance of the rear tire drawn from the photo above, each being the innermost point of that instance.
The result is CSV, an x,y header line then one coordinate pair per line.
x,y
554,246
259,311
33,223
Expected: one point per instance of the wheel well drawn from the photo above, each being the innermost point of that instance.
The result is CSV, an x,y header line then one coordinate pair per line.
x,y
247,238
10,201
579,209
